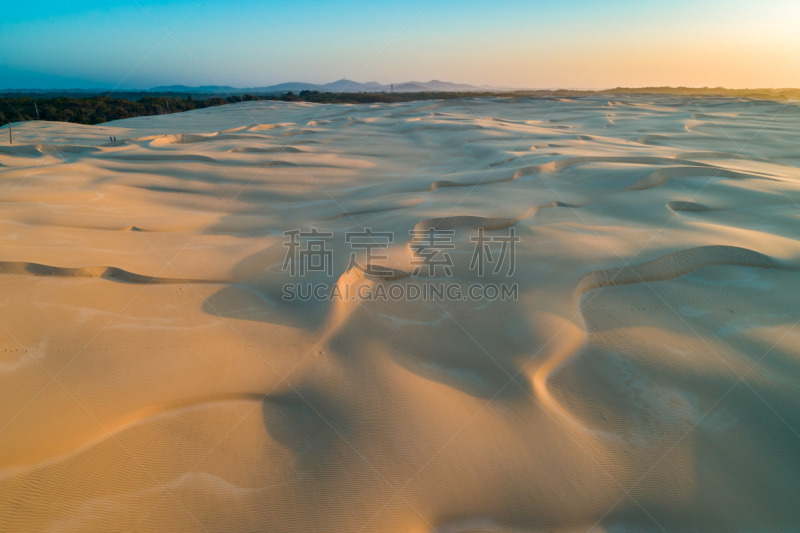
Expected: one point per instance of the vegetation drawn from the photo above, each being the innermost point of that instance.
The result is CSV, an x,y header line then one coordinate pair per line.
x,y
371,98
98,109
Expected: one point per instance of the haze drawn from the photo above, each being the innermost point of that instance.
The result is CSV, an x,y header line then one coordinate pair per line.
x,y
531,44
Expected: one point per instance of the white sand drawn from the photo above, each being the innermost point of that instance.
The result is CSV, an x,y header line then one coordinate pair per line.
x,y
647,379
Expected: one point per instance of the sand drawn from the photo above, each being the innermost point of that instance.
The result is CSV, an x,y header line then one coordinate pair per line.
x,y
646,378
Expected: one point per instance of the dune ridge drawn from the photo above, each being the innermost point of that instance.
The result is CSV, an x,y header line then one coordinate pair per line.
x,y
110,273
675,265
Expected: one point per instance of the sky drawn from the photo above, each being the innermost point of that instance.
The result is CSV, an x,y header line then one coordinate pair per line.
x,y
527,44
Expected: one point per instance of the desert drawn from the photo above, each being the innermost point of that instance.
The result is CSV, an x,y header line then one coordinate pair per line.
x,y
640,373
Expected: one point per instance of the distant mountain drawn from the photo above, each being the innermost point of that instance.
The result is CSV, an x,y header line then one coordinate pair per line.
x,y
350,86
338,86
203,89
436,85
410,87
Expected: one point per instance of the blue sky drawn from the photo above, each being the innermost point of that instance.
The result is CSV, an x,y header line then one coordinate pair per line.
x,y
570,43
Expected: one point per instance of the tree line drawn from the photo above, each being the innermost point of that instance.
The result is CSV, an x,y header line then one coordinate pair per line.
x,y
98,109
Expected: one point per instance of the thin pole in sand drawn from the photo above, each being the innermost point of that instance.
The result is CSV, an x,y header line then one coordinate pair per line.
x,y
10,138
37,110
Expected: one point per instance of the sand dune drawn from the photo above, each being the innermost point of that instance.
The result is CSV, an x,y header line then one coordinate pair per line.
x,y
675,265
643,377
112,273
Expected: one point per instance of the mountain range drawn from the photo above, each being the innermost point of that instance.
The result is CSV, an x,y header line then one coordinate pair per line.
x,y
339,86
